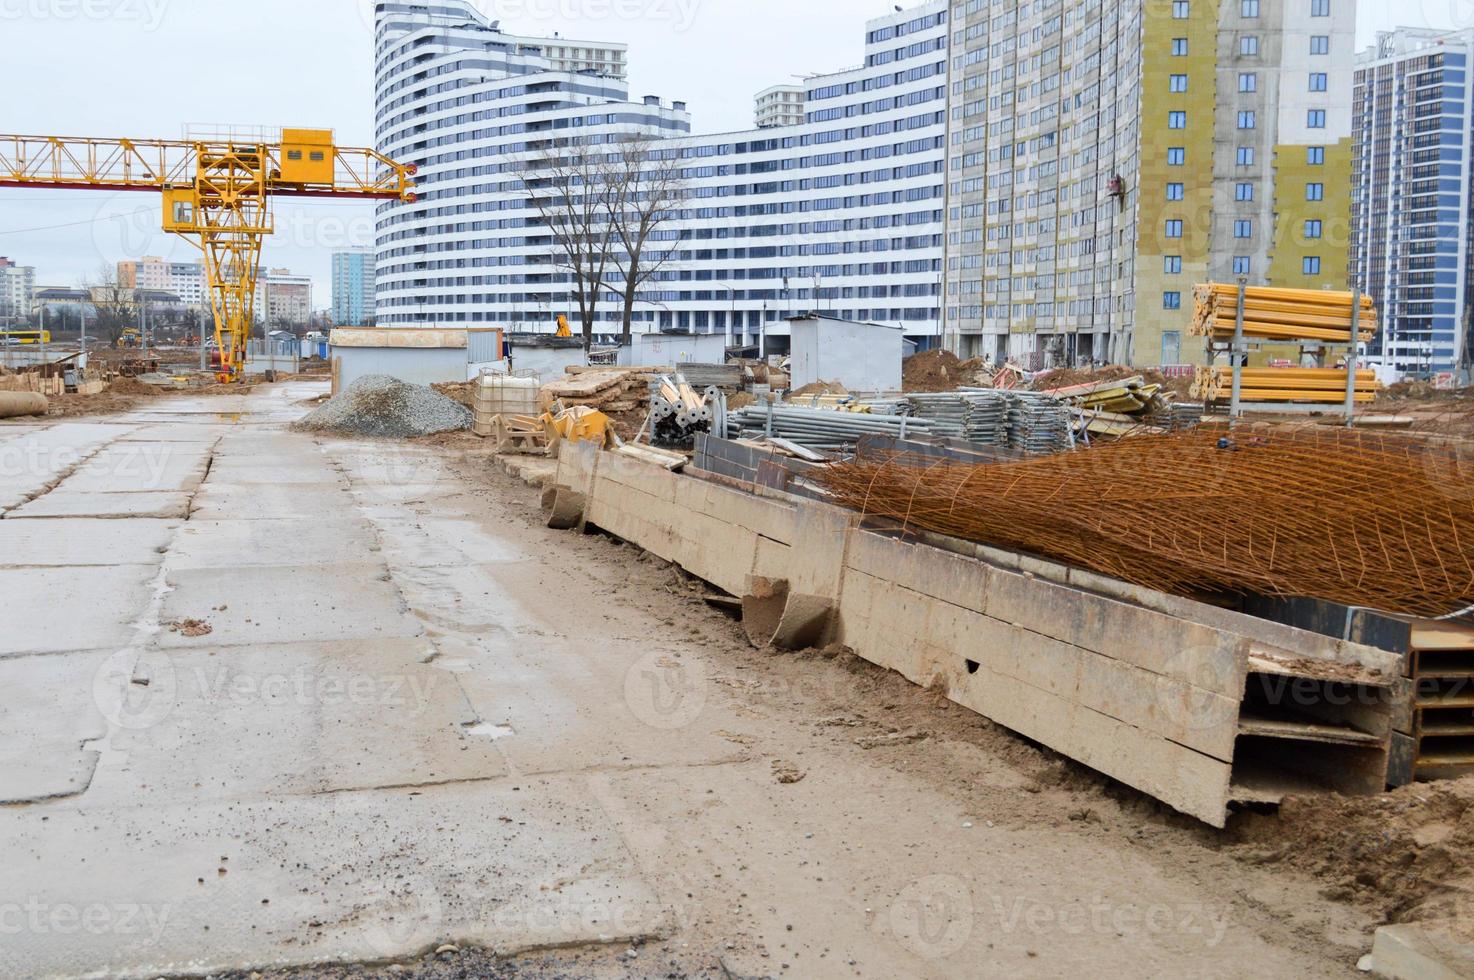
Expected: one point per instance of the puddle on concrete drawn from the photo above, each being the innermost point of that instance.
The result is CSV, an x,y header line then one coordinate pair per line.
x,y
485,729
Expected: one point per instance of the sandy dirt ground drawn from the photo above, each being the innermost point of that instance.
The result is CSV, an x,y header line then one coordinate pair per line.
x,y
599,777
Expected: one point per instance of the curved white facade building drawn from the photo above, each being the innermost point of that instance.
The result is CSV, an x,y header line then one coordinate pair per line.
x,y
842,214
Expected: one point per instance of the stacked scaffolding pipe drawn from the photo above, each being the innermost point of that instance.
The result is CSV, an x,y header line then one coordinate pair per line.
x,y
816,428
1355,517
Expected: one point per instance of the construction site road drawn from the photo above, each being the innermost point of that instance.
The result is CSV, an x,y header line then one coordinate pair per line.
x,y
270,700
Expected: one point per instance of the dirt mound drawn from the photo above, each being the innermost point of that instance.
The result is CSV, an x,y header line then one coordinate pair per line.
x,y
464,392
132,386
378,405
1409,853
933,370
1068,377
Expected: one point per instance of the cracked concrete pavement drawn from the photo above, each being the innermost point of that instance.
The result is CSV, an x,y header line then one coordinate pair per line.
x,y
416,718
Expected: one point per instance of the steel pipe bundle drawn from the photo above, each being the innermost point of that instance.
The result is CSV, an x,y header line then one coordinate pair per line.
x,y
677,412
1355,517
817,428
1325,385
1280,314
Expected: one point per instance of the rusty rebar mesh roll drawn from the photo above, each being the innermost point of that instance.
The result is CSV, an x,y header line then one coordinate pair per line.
x,y
1359,518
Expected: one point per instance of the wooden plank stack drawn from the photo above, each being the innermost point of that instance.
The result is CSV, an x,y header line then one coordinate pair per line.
x,y
607,389
1276,314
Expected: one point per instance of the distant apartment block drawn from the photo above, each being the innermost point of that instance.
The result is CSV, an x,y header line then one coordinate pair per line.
x,y
283,299
781,105
1412,123
1102,159
353,287
184,279
17,291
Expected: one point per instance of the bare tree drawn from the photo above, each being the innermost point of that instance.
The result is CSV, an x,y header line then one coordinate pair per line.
x,y
569,187
647,190
115,303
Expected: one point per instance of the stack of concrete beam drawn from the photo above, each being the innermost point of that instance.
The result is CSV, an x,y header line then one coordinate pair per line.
x,y
1194,705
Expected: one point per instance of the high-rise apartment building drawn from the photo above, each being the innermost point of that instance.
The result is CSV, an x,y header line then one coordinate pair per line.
x,y
779,105
1103,159
1063,172
353,287
1412,124
842,213
17,291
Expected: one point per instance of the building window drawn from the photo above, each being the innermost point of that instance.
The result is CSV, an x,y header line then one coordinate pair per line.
x,y
1249,8
1315,119
1179,9
1246,156
1174,228
1172,300
1249,44
1246,119
1312,228
1248,81
1179,47
1243,192
1317,81
1315,192
1241,265
1315,155
1320,8
1243,228
1176,156
1174,192
1178,83
1176,120
1310,265
1172,264
1320,44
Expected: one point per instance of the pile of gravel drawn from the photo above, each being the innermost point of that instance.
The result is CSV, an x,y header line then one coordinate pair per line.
x,y
378,405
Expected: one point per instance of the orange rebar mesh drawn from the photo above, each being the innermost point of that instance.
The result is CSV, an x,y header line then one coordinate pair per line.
x,y
1358,518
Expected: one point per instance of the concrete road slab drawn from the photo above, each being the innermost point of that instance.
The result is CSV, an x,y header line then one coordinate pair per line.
x,y
203,436
40,459
430,542
216,501
68,609
62,503
48,717
141,467
235,467
241,543
232,722
336,877
286,604
84,542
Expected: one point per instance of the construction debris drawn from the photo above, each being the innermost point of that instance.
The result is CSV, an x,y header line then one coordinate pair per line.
x,y
1365,519
378,405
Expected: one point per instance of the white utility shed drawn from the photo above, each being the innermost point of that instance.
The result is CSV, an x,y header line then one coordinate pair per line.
x,y
864,357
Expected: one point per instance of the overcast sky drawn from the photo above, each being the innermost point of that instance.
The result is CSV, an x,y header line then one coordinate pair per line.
x,y
143,68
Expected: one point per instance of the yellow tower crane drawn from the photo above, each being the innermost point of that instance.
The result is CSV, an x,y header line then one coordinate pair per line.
x,y
217,194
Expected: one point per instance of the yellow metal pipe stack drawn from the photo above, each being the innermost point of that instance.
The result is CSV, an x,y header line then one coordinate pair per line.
x,y
1323,385
1271,313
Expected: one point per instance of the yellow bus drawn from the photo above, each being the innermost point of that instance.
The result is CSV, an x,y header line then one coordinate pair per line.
x,y
9,338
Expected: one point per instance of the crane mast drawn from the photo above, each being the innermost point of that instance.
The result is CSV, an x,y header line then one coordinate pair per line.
x,y
217,194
